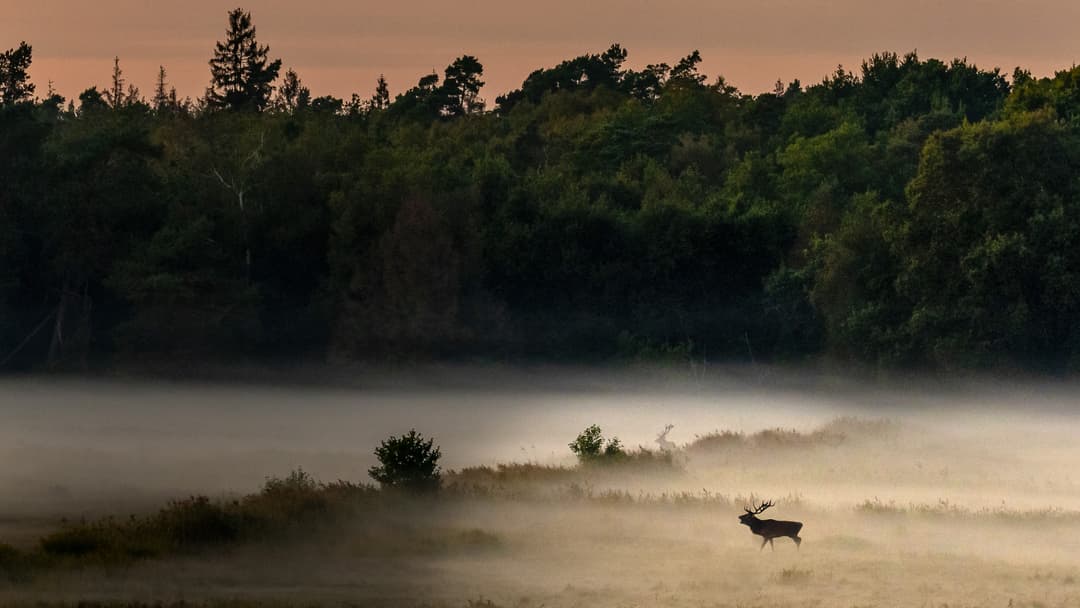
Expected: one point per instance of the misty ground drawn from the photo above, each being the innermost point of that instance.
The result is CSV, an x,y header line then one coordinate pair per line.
x,y
912,493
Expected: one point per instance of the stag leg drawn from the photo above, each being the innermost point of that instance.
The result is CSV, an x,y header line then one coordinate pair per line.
x,y
771,545
798,542
763,541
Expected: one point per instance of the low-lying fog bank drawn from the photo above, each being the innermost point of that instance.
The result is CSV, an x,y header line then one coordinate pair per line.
x,y
70,447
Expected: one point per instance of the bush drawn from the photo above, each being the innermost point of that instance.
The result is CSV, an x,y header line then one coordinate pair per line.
x,y
76,541
408,462
296,504
286,502
614,448
589,446
193,522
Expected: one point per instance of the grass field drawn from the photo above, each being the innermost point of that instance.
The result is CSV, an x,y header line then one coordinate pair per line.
x,y
907,510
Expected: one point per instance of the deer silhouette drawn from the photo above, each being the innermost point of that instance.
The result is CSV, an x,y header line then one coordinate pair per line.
x,y
769,529
662,440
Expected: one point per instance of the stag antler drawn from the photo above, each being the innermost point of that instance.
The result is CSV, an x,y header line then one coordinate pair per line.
x,y
759,509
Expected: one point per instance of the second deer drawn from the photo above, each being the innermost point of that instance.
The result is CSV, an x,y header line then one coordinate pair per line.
x,y
662,440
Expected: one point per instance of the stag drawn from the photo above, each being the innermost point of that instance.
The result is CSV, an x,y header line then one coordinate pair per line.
x,y
662,440
769,529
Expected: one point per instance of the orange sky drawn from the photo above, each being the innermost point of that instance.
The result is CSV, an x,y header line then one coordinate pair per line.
x,y
340,46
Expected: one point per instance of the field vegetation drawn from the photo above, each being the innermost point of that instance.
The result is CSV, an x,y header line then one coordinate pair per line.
x,y
607,531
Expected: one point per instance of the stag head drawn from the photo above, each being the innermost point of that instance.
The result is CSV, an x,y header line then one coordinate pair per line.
x,y
751,515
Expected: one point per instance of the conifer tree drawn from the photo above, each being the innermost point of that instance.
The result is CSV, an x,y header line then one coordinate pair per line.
x,y
381,99
161,101
242,75
115,94
293,95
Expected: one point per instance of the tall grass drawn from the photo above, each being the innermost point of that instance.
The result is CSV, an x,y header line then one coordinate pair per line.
x,y
284,505
944,508
834,433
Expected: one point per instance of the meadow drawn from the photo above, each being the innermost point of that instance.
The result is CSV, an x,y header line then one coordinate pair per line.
x,y
905,501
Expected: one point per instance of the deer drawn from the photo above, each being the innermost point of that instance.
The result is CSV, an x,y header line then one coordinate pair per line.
x,y
769,529
663,442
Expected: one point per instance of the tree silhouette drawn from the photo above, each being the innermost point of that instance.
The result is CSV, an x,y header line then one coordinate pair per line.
x,y
15,85
462,87
408,462
293,95
242,76
686,70
164,100
381,99
117,96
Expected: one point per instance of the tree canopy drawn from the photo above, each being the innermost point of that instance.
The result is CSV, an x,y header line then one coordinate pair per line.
x,y
910,213
15,85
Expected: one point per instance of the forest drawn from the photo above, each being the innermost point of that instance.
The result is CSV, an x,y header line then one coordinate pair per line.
x,y
908,214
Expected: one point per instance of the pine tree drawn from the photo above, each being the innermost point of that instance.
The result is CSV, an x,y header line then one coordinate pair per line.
x,y
355,106
133,96
242,76
15,85
381,99
161,96
115,94
293,95
686,70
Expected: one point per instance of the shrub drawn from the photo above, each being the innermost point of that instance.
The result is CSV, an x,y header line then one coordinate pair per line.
x,y
294,504
590,446
589,443
408,462
614,448
296,482
76,541
193,522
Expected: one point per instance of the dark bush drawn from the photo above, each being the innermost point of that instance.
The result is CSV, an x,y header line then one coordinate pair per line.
x,y
76,541
590,446
408,462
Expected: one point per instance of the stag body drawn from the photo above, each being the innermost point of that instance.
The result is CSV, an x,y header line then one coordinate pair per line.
x,y
769,529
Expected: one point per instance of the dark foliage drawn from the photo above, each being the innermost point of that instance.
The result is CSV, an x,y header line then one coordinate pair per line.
x,y
295,504
910,213
409,463
590,446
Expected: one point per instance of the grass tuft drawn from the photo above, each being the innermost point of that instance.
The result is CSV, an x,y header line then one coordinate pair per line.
x,y
794,576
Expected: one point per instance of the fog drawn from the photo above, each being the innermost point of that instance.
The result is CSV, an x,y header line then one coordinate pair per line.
x,y
963,492
76,436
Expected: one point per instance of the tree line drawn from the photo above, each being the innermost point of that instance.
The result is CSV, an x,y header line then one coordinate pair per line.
x,y
911,213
